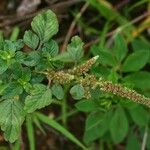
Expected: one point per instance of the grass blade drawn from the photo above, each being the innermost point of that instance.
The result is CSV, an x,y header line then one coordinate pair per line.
x,y
61,129
30,132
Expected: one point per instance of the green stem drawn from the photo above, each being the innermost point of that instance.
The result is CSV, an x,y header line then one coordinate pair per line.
x,y
101,145
64,112
14,34
40,45
17,145
69,114
64,107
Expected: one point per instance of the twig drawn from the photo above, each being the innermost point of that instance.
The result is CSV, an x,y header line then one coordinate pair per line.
x,y
13,19
69,33
120,5
143,147
137,19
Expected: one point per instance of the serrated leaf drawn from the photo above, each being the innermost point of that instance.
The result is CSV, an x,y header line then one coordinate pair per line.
x,y
32,59
12,116
50,48
40,97
139,115
19,44
58,64
13,89
31,39
2,88
19,57
135,61
57,91
75,49
77,91
3,66
45,25
119,125
120,48
22,73
63,57
10,47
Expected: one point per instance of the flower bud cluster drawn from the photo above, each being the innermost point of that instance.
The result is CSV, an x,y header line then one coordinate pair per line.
x,y
117,89
88,82
82,69
60,77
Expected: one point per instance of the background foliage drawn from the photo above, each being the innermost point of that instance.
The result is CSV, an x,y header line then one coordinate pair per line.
x,y
111,30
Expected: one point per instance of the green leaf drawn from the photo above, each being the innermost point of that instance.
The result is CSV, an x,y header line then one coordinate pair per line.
x,y
103,8
19,57
32,59
139,115
3,66
113,76
135,61
31,39
75,49
96,126
57,91
77,91
13,89
63,57
2,88
52,123
10,47
40,97
19,44
21,73
105,56
12,116
86,105
119,125
45,25
26,74
120,48
132,143
50,48
141,45
135,79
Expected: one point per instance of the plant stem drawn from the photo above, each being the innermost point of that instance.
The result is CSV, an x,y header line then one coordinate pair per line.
x,y
17,145
143,147
64,107
68,114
